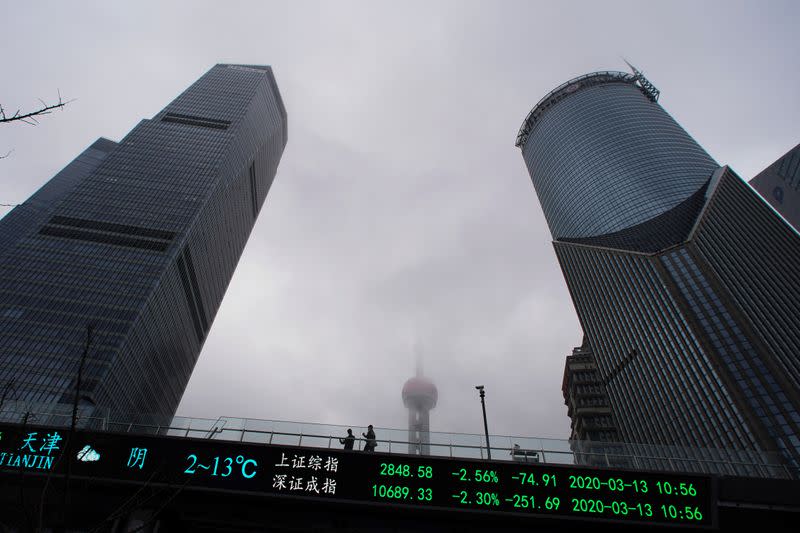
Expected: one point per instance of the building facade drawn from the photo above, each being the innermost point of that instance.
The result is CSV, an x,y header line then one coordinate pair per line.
x,y
679,272
137,240
585,395
779,184
594,437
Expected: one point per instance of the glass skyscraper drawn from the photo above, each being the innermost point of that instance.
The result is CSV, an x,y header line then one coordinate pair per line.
x,y
139,240
682,277
779,184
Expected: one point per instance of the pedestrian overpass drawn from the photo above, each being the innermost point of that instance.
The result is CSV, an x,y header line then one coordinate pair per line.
x,y
140,473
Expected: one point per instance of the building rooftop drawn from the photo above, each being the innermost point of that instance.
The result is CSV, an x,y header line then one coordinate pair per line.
x,y
582,82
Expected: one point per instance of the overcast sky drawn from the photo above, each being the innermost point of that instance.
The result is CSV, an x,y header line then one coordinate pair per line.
x,y
401,213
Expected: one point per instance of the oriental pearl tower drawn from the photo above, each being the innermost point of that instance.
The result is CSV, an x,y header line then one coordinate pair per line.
x,y
419,396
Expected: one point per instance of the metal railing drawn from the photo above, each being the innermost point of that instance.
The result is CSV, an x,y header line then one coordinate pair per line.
x,y
746,463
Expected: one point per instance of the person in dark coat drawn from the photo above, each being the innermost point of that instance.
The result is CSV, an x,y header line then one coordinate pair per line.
x,y
349,440
371,443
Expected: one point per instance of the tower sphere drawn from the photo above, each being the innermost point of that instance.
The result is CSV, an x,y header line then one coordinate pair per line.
x,y
420,392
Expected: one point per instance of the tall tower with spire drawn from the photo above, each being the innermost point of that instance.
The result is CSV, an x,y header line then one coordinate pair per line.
x,y
419,396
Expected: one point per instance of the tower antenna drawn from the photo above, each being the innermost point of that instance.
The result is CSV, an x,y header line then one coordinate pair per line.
x,y
419,397
649,90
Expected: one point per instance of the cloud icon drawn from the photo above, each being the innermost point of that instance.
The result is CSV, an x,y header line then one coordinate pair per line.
x,y
88,455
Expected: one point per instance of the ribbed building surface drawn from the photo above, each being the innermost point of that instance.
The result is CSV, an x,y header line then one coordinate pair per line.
x,y
140,241
36,210
602,145
682,281
779,184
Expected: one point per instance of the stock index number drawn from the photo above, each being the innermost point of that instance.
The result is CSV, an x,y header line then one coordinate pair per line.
x,y
397,492
401,470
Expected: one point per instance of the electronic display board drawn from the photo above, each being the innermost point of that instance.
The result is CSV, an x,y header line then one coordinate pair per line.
x,y
524,489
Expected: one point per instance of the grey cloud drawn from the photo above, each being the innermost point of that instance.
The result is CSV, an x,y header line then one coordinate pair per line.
x,y
401,212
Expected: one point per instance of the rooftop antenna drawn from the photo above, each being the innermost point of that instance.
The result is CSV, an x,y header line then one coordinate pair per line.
x,y
418,359
649,90
633,69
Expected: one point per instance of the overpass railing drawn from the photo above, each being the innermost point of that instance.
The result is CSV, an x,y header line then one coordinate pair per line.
x,y
747,463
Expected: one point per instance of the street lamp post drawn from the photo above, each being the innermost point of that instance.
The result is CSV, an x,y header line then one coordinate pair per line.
x,y
485,425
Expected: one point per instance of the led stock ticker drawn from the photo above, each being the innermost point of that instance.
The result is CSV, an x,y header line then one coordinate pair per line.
x,y
352,477
542,490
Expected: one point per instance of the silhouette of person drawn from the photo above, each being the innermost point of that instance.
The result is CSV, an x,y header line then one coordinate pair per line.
x,y
349,440
371,443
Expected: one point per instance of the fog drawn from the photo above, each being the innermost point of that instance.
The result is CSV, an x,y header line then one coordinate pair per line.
x,y
401,215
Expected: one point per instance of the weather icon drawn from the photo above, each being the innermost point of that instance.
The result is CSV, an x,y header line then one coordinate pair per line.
x,y
88,454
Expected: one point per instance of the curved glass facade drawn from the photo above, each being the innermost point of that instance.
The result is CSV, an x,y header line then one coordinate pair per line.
x,y
679,273
605,158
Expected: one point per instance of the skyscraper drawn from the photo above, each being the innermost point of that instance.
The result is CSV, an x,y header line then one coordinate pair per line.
x,y
779,184
681,276
594,437
587,400
138,240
